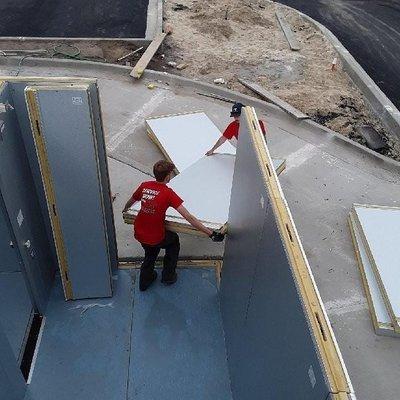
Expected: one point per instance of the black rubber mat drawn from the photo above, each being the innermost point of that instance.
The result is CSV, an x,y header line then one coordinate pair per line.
x,y
369,29
74,18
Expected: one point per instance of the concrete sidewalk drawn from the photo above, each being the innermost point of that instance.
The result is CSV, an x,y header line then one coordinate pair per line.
x,y
325,175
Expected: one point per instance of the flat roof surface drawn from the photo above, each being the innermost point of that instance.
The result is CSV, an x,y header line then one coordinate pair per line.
x,y
324,176
74,18
165,343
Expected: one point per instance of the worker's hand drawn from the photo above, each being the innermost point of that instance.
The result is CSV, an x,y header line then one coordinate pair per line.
x,y
209,153
125,210
217,236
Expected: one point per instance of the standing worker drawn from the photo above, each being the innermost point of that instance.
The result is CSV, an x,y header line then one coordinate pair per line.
x,y
231,132
156,197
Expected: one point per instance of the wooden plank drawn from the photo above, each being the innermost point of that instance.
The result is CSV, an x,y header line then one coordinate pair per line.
x,y
265,94
36,124
293,43
141,65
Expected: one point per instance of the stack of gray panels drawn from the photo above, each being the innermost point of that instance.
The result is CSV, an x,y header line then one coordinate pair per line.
x,y
376,236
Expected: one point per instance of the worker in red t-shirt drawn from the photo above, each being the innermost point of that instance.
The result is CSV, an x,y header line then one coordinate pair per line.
x,y
231,133
156,197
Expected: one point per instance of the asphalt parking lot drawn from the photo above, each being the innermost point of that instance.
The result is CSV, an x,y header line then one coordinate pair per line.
x,y
74,18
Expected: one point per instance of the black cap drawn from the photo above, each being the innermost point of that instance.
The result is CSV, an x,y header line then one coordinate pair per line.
x,y
237,109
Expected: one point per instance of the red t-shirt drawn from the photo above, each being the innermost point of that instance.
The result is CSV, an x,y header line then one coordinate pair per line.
x,y
232,130
155,198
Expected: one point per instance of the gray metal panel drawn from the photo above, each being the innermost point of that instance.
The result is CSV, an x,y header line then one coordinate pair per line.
x,y
17,90
71,153
104,175
15,309
18,191
9,261
12,384
271,352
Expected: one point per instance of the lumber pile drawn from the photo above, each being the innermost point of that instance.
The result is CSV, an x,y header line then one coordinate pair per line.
x,y
376,236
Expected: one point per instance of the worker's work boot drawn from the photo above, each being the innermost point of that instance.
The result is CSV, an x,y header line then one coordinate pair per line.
x,y
145,285
170,280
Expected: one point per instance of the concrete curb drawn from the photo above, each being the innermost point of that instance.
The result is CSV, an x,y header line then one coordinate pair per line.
x,y
180,82
383,108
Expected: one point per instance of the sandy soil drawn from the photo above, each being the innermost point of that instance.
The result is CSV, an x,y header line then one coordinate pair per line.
x,y
231,38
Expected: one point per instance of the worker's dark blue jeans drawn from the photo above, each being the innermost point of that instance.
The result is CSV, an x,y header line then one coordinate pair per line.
x,y
172,247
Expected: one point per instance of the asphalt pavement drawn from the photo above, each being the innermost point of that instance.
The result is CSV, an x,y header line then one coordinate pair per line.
x,y
369,29
74,18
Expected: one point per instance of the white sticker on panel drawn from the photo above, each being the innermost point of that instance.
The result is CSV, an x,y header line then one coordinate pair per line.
x,y
20,218
77,101
262,202
311,374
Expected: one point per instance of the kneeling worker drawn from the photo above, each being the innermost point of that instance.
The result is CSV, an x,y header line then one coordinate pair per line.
x,y
156,197
231,132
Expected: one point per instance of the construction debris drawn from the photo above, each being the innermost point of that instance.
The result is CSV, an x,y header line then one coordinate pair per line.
x,y
182,66
141,65
130,54
273,99
376,235
219,81
293,43
217,97
372,138
215,47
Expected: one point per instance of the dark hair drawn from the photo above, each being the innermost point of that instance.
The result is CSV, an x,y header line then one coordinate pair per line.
x,y
161,169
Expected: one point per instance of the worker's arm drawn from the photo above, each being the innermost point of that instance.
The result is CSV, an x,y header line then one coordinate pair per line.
x,y
129,204
215,236
219,143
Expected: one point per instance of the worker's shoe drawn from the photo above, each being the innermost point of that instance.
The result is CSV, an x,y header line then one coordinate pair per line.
x,y
145,285
170,280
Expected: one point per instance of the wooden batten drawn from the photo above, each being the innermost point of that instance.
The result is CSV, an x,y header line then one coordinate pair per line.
x,y
36,125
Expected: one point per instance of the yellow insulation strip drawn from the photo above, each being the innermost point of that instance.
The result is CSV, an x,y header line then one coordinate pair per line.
x,y
34,115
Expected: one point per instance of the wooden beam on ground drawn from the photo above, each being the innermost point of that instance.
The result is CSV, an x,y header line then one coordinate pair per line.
x,y
141,65
265,94
293,43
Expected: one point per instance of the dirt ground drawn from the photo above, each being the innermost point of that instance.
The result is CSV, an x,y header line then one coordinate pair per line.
x,y
229,39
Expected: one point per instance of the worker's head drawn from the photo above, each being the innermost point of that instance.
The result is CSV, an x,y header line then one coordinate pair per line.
x,y
163,170
237,110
